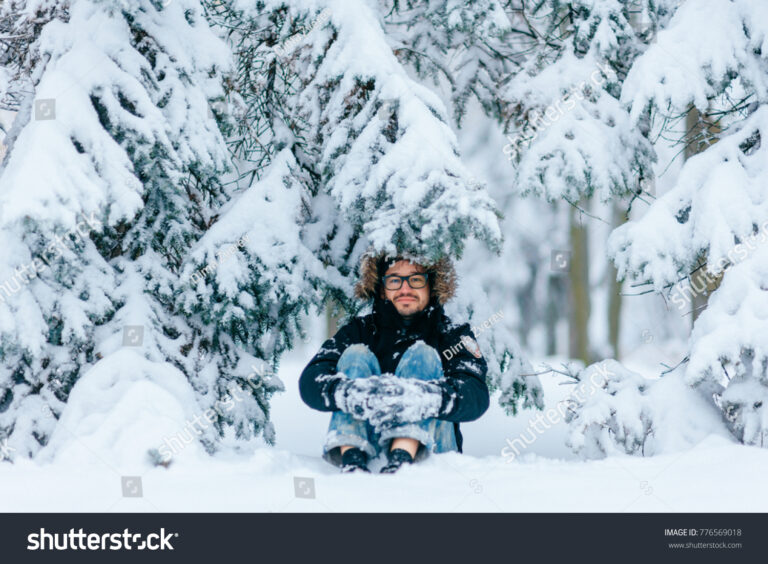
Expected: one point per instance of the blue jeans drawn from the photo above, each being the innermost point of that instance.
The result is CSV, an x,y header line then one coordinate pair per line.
x,y
435,435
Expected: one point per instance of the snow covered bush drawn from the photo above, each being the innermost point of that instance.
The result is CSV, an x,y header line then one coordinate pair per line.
x,y
744,398
620,411
614,417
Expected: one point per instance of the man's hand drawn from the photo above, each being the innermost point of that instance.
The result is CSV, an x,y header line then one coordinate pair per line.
x,y
357,396
388,401
404,400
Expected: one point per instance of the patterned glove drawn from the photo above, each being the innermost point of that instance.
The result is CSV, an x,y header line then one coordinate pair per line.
x,y
404,400
356,396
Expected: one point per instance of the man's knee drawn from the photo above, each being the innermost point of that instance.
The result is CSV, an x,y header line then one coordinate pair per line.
x,y
423,350
422,358
357,348
358,355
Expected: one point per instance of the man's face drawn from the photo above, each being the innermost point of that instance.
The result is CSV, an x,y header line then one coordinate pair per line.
x,y
408,301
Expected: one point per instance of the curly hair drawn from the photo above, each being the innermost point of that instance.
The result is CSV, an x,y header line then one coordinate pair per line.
x,y
373,266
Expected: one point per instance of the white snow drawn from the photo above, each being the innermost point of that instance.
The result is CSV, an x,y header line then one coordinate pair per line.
x,y
377,157
82,471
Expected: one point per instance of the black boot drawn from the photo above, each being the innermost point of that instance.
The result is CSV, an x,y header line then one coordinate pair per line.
x,y
396,457
354,460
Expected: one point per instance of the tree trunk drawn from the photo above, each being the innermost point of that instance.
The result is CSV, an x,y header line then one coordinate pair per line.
x,y
553,312
333,314
700,134
614,295
578,274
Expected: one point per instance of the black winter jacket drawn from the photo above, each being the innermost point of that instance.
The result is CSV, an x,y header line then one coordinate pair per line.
x,y
465,393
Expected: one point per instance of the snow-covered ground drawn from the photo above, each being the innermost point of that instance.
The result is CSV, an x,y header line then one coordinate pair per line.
x,y
362,152
85,473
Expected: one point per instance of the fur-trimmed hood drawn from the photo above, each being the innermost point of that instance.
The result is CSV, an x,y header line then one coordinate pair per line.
x,y
372,268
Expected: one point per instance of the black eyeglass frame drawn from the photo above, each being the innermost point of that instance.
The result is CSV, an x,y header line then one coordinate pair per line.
x,y
403,279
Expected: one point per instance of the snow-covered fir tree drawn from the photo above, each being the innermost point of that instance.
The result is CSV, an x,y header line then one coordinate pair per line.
x,y
470,47
570,139
466,51
711,57
565,116
331,155
112,174
375,143
375,148
513,320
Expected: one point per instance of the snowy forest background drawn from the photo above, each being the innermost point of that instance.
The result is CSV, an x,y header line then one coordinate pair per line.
x,y
187,187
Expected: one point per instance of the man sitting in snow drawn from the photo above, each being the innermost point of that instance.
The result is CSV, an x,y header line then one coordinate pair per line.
x,y
384,377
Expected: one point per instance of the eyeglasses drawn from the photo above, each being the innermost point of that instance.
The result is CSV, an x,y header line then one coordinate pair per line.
x,y
415,281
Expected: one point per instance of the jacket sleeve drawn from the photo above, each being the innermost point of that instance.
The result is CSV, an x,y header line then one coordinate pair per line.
x,y
465,393
317,384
